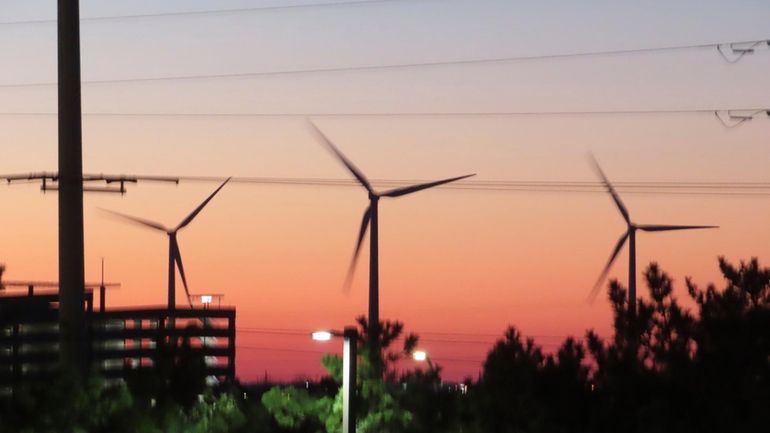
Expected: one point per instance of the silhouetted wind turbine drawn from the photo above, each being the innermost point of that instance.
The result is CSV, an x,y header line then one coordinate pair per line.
x,y
371,220
629,235
174,255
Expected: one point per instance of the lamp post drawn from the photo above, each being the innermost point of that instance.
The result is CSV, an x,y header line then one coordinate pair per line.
x,y
422,356
349,361
206,300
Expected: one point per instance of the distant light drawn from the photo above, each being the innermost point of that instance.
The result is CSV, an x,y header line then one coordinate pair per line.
x,y
420,355
206,299
322,336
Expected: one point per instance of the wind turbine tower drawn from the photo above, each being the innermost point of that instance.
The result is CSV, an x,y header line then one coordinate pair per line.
x,y
174,254
371,220
630,236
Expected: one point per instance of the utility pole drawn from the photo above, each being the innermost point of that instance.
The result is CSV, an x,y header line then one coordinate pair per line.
x,y
72,326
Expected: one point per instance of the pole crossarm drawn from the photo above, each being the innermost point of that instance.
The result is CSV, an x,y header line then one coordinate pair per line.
x,y
49,181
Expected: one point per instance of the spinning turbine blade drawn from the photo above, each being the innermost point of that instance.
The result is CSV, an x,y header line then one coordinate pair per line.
x,y
137,220
351,167
178,260
200,207
606,270
362,232
611,189
665,228
398,192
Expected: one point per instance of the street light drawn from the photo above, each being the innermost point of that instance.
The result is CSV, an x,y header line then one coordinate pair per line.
x,y
422,356
322,336
349,361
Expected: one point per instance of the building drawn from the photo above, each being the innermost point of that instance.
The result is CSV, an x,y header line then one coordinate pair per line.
x,y
119,341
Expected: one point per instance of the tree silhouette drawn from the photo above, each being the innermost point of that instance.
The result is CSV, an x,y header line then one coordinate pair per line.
x,y
733,348
523,390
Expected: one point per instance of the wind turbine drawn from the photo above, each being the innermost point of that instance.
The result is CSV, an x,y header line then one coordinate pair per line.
x,y
630,235
371,220
174,255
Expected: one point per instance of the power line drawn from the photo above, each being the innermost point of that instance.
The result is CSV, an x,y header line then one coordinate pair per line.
x,y
671,188
709,111
396,66
280,349
208,12
322,352
422,339
305,333
655,187
496,336
482,183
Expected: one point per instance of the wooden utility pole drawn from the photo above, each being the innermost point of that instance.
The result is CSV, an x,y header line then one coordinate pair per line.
x,y
72,326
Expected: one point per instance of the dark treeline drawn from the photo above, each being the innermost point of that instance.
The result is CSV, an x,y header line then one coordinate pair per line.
x,y
665,368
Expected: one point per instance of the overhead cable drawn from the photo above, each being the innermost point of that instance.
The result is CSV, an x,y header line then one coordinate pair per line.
x,y
322,352
209,11
394,66
676,188
755,111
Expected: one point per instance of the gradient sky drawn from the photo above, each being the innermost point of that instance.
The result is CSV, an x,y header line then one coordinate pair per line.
x,y
463,262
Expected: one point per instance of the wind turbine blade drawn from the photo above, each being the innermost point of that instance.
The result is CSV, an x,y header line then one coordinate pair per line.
x,y
350,166
610,189
200,207
137,220
361,233
665,228
397,192
180,266
606,270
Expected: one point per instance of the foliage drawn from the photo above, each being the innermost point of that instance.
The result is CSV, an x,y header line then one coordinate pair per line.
x,y
65,406
664,368
96,407
296,409
378,408
215,415
522,389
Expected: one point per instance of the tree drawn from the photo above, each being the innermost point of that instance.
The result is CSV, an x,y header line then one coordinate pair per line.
x,y
523,390
666,365
733,349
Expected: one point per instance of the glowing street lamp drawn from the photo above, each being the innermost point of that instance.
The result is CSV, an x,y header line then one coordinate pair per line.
x,y
205,300
422,356
322,336
349,361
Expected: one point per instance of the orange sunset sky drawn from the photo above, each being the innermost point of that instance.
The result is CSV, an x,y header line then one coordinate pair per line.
x,y
456,266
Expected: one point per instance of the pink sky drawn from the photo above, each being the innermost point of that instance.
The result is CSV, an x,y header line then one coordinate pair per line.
x,y
451,262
